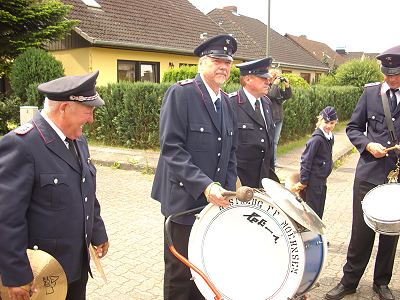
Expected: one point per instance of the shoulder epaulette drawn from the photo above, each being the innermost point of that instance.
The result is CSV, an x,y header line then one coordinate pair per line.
x,y
23,129
233,94
185,82
371,84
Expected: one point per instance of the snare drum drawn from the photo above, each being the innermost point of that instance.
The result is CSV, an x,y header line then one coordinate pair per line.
x,y
253,250
381,209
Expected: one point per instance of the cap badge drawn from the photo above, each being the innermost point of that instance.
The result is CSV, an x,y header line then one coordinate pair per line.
x,y
227,41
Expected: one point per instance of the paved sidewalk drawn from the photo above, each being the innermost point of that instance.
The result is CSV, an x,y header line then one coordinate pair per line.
x,y
146,160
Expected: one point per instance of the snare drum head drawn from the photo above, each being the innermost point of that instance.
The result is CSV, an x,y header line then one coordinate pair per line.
x,y
250,250
382,203
298,211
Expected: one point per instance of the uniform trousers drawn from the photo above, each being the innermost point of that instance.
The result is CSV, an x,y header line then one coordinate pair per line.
x,y
315,196
362,242
77,289
177,283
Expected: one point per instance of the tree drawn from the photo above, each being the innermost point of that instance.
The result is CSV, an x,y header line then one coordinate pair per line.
x,y
31,67
30,23
358,72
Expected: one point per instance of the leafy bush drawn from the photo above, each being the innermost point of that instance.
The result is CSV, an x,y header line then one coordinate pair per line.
x,y
355,72
358,72
296,80
176,74
9,112
301,110
130,116
31,67
327,80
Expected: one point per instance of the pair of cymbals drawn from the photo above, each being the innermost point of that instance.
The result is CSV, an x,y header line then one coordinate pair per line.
x,y
49,277
293,206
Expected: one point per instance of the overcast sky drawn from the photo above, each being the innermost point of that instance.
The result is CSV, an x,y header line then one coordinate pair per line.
x,y
356,25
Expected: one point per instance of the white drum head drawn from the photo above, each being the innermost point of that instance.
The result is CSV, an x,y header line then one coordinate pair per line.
x,y
382,203
248,251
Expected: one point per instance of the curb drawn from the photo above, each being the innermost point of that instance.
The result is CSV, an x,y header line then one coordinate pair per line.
x,y
120,165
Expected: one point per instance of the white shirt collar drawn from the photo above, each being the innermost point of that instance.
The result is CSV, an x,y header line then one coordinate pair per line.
x,y
251,98
54,126
329,135
213,96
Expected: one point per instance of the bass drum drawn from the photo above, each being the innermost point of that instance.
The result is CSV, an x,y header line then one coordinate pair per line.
x,y
253,250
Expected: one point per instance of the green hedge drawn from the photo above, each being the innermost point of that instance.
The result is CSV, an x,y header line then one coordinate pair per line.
x,y
131,114
301,111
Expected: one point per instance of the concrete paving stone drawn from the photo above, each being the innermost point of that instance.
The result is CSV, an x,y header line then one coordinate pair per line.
x,y
134,264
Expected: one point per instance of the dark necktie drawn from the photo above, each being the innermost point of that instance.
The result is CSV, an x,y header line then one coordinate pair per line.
x,y
257,109
217,104
393,99
72,149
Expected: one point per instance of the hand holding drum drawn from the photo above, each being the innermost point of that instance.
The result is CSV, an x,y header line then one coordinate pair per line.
x,y
243,193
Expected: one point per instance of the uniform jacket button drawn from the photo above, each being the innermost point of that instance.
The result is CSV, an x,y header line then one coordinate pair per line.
x,y
55,180
180,183
244,126
35,247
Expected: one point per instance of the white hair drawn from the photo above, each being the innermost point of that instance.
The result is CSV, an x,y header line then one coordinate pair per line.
x,y
50,106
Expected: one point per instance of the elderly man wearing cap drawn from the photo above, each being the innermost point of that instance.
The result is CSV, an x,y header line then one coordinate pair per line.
x,y
373,167
48,189
255,153
197,161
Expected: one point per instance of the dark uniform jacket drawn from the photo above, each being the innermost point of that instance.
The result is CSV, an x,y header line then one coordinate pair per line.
x,y
316,161
195,149
369,116
277,97
255,144
47,201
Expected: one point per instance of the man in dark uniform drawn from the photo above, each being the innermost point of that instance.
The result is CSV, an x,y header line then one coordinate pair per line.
x,y
48,189
255,153
374,165
197,161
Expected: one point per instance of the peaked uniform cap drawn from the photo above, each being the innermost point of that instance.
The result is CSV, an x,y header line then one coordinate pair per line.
x,y
81,89
258,67
220,46
390,61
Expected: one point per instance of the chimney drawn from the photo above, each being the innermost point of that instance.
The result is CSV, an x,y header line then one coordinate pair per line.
x,y
230,8
303,36
341,51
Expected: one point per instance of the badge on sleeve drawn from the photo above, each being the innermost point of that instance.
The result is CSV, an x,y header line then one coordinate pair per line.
x,y
23,129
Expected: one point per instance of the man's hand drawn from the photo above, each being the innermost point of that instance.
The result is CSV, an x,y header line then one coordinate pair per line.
x,y
213,193
376,149
21,292
102,249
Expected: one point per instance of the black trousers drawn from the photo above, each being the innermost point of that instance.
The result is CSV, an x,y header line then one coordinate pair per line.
x,y
177,283
315,196
362,242
77,289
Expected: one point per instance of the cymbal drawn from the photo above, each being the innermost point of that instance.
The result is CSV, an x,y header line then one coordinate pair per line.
x,y
49,277
293,206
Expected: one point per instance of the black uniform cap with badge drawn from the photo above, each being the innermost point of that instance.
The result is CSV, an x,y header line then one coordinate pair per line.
x,y
390,61
220,46
257,67
80,89
329,114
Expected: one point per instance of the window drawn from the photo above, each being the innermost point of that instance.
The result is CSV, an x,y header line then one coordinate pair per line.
x,y
306,76
130,70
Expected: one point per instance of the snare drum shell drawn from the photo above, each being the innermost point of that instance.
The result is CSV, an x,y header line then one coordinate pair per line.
x,y
381,209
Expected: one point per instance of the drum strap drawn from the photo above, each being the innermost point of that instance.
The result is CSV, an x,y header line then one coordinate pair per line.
x,y
388,117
